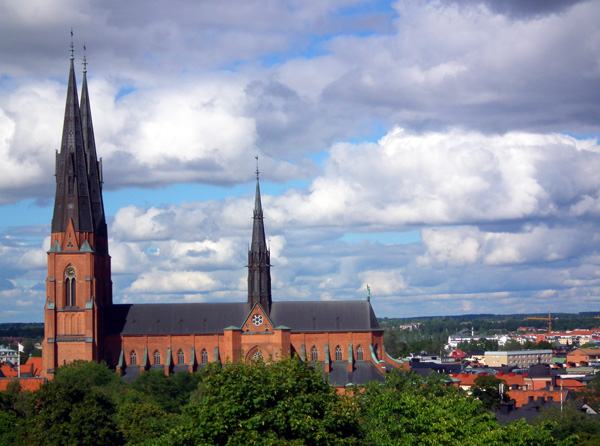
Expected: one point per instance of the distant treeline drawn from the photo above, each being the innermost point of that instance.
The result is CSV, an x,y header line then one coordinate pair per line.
x,y
31,330
416,334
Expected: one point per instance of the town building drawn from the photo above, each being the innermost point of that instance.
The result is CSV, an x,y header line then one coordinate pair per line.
x,y
589,356
82,322
8,356
517,358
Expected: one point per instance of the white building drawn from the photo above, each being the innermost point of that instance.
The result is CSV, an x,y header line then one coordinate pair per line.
x,y
8,356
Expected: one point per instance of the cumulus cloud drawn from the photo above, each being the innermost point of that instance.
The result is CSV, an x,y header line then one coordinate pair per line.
x,y
460,121
449,178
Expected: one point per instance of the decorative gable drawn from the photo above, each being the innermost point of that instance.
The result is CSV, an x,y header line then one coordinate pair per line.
x,y
70,243
257,321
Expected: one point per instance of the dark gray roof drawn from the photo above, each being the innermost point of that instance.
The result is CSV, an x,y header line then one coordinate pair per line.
x,y
348,315
363,372
198,318
131,372
164,319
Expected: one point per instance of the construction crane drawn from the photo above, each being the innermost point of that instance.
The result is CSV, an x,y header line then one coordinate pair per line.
x,y
547,319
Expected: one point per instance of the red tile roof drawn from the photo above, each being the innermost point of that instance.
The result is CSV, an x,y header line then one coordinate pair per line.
x,y
8,371
511,379
36,365
27,384
521,397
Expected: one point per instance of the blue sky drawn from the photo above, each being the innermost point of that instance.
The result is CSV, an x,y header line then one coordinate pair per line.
x,y
445,153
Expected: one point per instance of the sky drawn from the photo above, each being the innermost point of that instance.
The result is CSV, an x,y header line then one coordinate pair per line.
x,y
444,153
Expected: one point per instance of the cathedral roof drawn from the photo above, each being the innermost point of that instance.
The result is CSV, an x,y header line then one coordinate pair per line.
x,y
201,318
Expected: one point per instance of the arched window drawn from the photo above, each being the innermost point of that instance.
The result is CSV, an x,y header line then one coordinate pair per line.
x,y
338,353
204,356
70,287
180,357
133,358
359,353
314,354
156,357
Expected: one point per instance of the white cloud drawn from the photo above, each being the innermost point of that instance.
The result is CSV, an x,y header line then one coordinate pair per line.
x,y
172,282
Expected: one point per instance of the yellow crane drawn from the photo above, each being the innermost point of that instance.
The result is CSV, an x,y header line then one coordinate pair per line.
x,y
547,319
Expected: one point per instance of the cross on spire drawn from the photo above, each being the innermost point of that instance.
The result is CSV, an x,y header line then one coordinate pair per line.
x,y
84,63
257,172
72,50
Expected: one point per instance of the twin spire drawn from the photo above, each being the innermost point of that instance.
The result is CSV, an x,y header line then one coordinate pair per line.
x,y
79,192
78,172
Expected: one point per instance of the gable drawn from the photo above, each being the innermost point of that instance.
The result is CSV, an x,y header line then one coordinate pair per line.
x,y
257,321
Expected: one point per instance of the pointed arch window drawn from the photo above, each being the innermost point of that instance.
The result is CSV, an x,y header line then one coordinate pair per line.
x,y
314,354
133,358
338,353
70,287
204,356
359,353
156,357
180,357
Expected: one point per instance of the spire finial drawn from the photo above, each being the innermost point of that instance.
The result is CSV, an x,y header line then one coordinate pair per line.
x,y
368,293
257,172
84,63
72,50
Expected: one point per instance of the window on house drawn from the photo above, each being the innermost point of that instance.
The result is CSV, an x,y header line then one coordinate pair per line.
x,y
338,353
180,357
133,358
70,287
204,356
156,357
359,353
314,354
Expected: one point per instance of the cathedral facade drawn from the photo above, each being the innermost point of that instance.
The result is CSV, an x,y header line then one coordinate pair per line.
x,y
81,321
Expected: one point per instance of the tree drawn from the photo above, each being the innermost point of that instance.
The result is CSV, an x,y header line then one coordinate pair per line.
x,y
74,408
570,423
170,394
279,403
409,410
143,422
482,344
487,390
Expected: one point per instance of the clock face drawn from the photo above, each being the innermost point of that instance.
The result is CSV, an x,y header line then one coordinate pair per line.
x,y
70,272
257,320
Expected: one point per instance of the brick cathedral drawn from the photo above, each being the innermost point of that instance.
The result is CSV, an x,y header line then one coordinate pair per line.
x,y
82,322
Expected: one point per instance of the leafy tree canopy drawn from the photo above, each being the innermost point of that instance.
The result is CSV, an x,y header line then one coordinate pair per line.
x,y
409,410
281,403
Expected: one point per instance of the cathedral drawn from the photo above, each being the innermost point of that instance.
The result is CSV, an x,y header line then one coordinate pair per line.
x,y
82,322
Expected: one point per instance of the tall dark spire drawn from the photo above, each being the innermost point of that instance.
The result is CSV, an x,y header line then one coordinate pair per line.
x,y
94,167
72,200
259,258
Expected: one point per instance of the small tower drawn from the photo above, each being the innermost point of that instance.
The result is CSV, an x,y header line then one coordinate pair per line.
x,y
78,285
259,258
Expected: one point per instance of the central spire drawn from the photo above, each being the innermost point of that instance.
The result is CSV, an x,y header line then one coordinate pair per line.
x,y
259,257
